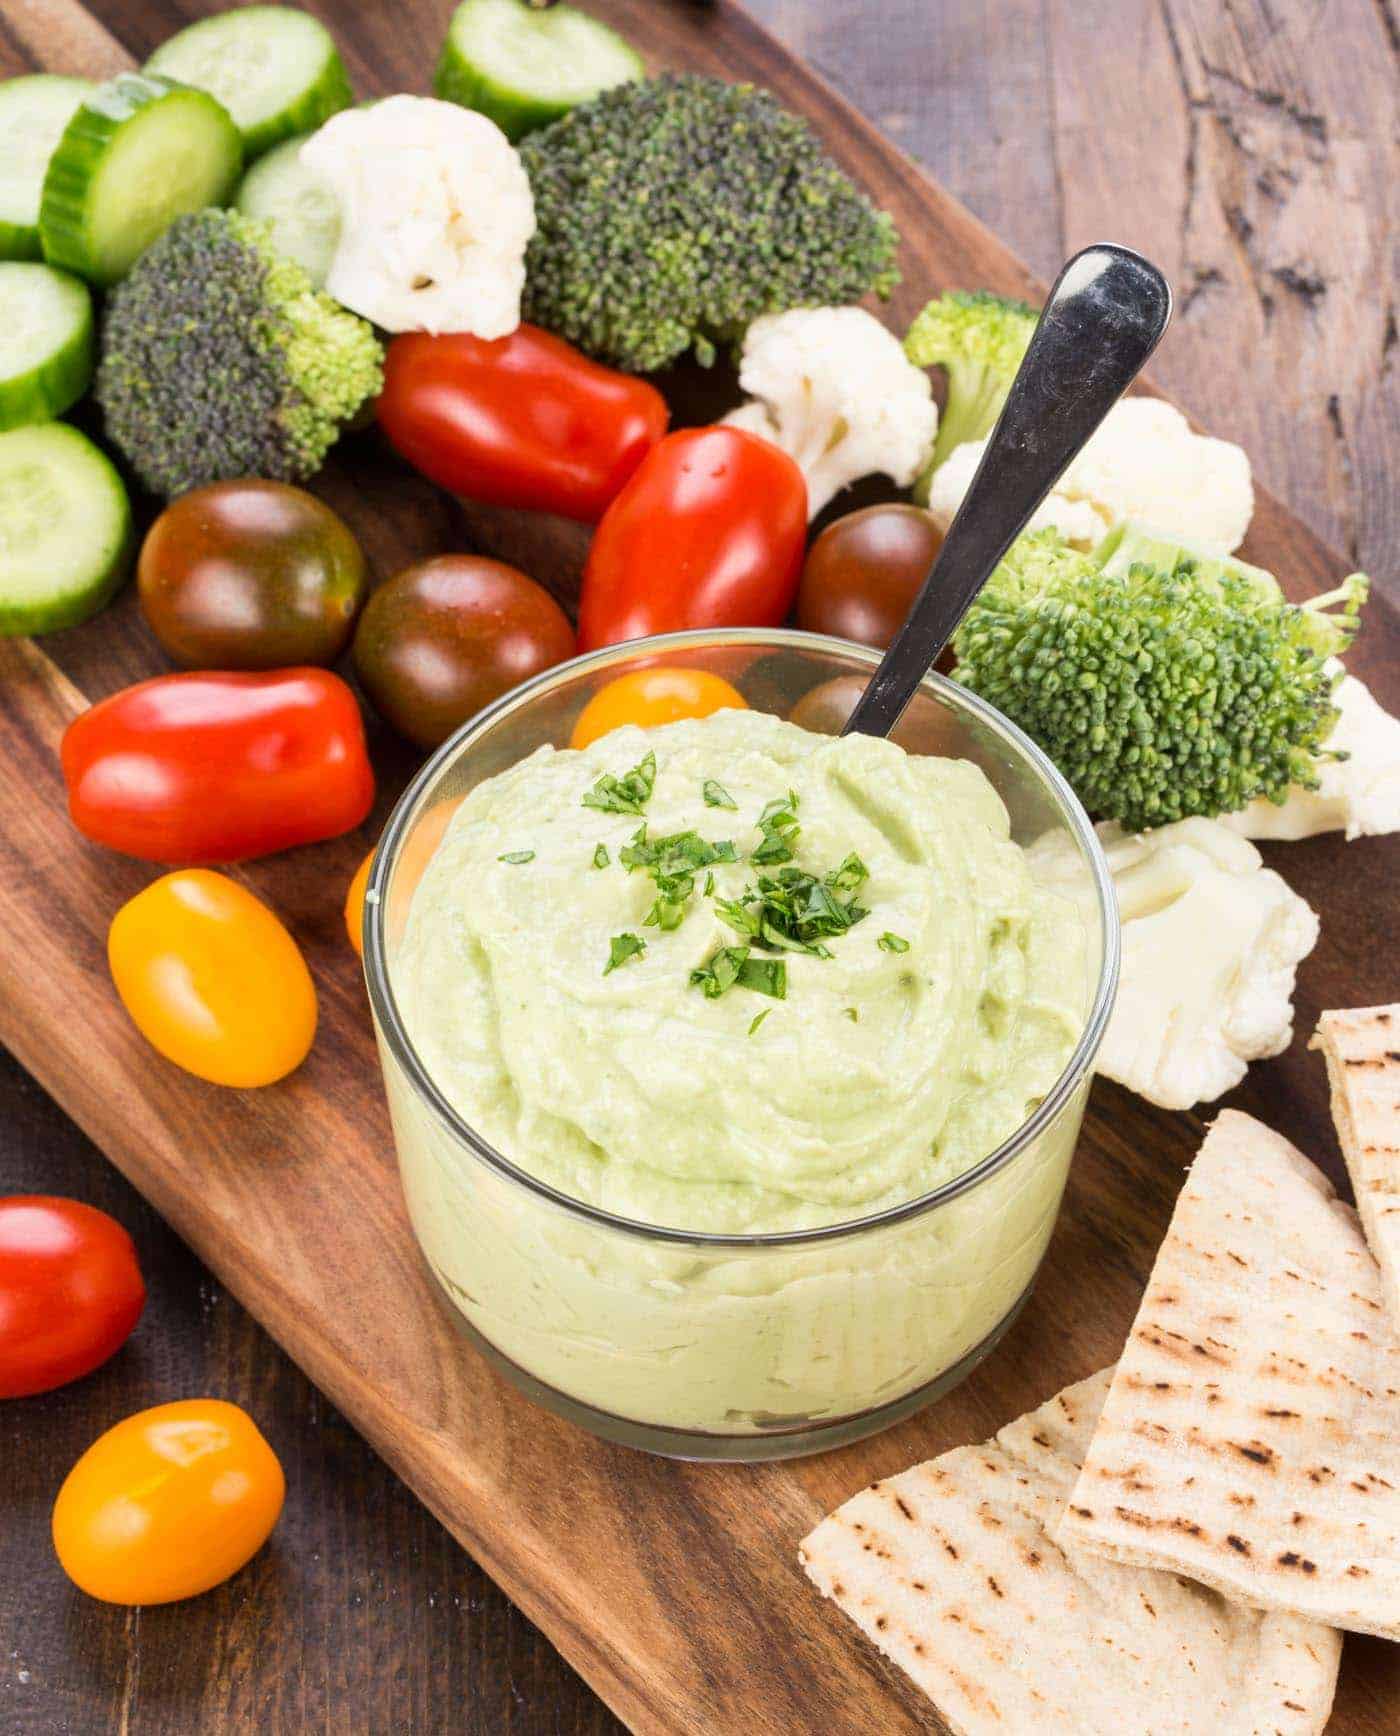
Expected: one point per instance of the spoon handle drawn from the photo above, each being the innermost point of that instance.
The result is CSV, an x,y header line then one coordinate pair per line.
x,y
1102,320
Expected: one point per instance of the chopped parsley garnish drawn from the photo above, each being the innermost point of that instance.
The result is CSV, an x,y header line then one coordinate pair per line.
x,y
708,888
793,911
716,796
517,856
892,942
601,857
732,967
778,824
628,794
623,948
673,862
758,1019
853,1014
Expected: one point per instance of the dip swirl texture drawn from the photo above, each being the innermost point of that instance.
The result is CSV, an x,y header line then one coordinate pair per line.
x,y
882,1074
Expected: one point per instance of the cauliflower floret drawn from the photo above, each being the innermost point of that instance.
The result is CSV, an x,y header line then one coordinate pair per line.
x,y
1144,463
1077,521
1359,795
1211,945
436,213
835,390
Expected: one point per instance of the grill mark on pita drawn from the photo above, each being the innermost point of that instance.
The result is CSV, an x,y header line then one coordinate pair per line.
x,y
1237,1543
1290,1558
1256,1452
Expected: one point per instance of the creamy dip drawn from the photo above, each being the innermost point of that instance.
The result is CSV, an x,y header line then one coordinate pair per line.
x,y
936,1023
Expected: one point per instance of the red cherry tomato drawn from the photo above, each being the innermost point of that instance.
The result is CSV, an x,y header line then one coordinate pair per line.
x,y
523,420
70,1292
209,768
708,533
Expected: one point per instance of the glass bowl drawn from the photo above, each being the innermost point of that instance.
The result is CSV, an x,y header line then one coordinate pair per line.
x,y
738,1347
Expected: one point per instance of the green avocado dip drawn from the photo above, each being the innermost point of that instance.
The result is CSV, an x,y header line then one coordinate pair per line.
x,y
734,978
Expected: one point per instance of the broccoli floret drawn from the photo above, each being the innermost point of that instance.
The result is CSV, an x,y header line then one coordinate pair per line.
x,y
220,360
1158,691
671,213
980,339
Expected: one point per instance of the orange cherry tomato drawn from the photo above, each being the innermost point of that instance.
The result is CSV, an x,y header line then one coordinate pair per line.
x,y
212,979
168,1503
355,903
654,696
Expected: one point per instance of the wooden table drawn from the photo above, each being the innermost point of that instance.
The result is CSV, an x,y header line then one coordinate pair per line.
x,y
1254,155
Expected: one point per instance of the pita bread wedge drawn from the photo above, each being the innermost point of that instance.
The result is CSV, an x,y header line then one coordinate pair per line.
x,y
951,1570
1362,1050
1251,1437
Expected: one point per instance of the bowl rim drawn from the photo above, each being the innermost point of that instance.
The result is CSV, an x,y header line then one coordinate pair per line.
x,y
394,1034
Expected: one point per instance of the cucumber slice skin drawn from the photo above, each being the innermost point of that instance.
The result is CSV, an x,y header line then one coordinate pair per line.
x,y
231,36
38,106
83,494
517,100
70,207
57,376
301,210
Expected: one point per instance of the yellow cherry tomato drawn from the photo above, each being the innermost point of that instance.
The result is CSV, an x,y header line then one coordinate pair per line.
x,y
168,1503
649,697
212,979
355,903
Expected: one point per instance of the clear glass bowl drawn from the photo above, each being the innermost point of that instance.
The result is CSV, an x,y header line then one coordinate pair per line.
x,y
711,1346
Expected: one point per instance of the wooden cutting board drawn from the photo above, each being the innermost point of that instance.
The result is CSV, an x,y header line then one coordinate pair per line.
x,y
673,1588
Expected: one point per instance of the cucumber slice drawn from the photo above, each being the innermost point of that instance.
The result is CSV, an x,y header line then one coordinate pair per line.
x,y
46,343
298,205
276,71
65,529
524,65
138,153
33,113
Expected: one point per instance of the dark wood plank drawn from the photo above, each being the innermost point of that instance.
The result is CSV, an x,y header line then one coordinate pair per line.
x,y
571,1527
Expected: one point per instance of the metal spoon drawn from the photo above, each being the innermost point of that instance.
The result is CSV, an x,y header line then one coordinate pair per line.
x,y
1102,320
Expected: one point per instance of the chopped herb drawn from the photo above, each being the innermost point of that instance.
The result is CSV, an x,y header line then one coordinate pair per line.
x,y
601,857
623,947
766,976
625,795
892,943
778,824
758,1019
517,856
716,796
732,967
673,863
794,911
853,1015
719,972
709,886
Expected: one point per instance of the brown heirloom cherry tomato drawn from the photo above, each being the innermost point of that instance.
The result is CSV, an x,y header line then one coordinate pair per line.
x,y
250,575
445,637
864,571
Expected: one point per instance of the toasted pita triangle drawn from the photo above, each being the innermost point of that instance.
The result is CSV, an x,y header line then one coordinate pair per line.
x,y
1362,1049
950,1568
1251,1437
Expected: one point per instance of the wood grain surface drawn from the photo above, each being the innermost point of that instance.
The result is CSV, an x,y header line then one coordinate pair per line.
x,y
363,1616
